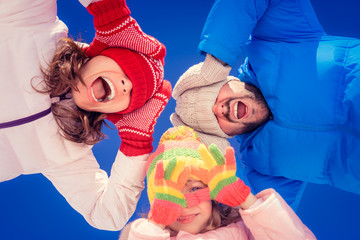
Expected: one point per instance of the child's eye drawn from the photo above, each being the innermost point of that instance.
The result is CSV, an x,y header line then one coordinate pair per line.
x,y
194,189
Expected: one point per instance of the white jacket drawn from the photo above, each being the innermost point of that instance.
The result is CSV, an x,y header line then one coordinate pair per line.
x,y
30,31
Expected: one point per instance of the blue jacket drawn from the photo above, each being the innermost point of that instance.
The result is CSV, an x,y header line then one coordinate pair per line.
x,y
311,82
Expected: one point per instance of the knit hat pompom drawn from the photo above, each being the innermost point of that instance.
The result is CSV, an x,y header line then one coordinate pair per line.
x,y
181,133
144,72
176,141
207,139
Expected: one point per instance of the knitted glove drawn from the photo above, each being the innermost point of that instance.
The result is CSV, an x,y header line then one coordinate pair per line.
x,y
136,128
198,171
225,187
116,28
193,199
169,179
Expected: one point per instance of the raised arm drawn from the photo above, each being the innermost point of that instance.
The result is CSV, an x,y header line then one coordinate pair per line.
x,y
228,28
116,28
230,23
105,202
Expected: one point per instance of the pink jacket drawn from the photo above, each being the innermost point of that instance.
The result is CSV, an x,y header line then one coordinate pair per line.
x,y
269,218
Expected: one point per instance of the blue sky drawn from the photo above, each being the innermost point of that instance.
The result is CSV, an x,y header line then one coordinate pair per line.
x,y
31,208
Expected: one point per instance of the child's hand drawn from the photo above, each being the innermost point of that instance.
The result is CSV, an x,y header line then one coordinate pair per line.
x,y
169,179
225,187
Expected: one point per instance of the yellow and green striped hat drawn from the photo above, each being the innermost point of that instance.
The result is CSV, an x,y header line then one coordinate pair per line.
x,y
180,143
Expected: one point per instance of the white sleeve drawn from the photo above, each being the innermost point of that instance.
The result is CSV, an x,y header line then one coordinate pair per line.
x,y
142,229
273,219
105,202
27,13
86,3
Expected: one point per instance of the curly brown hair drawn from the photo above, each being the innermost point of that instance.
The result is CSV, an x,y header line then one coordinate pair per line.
x,y
60,78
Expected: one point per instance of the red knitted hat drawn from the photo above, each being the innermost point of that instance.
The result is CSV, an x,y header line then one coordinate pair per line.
x,y
144,72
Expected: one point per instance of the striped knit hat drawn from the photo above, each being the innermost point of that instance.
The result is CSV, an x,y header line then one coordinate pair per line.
x,y
180,143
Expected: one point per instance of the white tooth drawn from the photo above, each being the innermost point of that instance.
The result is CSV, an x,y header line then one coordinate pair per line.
x,y
236,109
112,89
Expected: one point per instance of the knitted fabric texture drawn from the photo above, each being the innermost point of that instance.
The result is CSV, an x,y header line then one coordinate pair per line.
x,y
180,143
193,199
181,156
205,138
140,56
195,93
169,179
136,128
145,74
225,187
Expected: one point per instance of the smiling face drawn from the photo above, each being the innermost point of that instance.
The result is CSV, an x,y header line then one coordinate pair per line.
x,y
106,87
194,219
240,108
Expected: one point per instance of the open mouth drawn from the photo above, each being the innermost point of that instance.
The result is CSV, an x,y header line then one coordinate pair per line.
x,y
240,110
102,89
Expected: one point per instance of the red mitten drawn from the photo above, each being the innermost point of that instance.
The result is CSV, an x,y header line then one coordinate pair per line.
x,y
136,128
116,28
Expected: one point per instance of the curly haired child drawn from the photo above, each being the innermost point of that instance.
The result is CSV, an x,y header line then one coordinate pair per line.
x,y
64,90
195,194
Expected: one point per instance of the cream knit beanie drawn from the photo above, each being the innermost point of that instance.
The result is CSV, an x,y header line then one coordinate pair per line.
x,y
195,94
